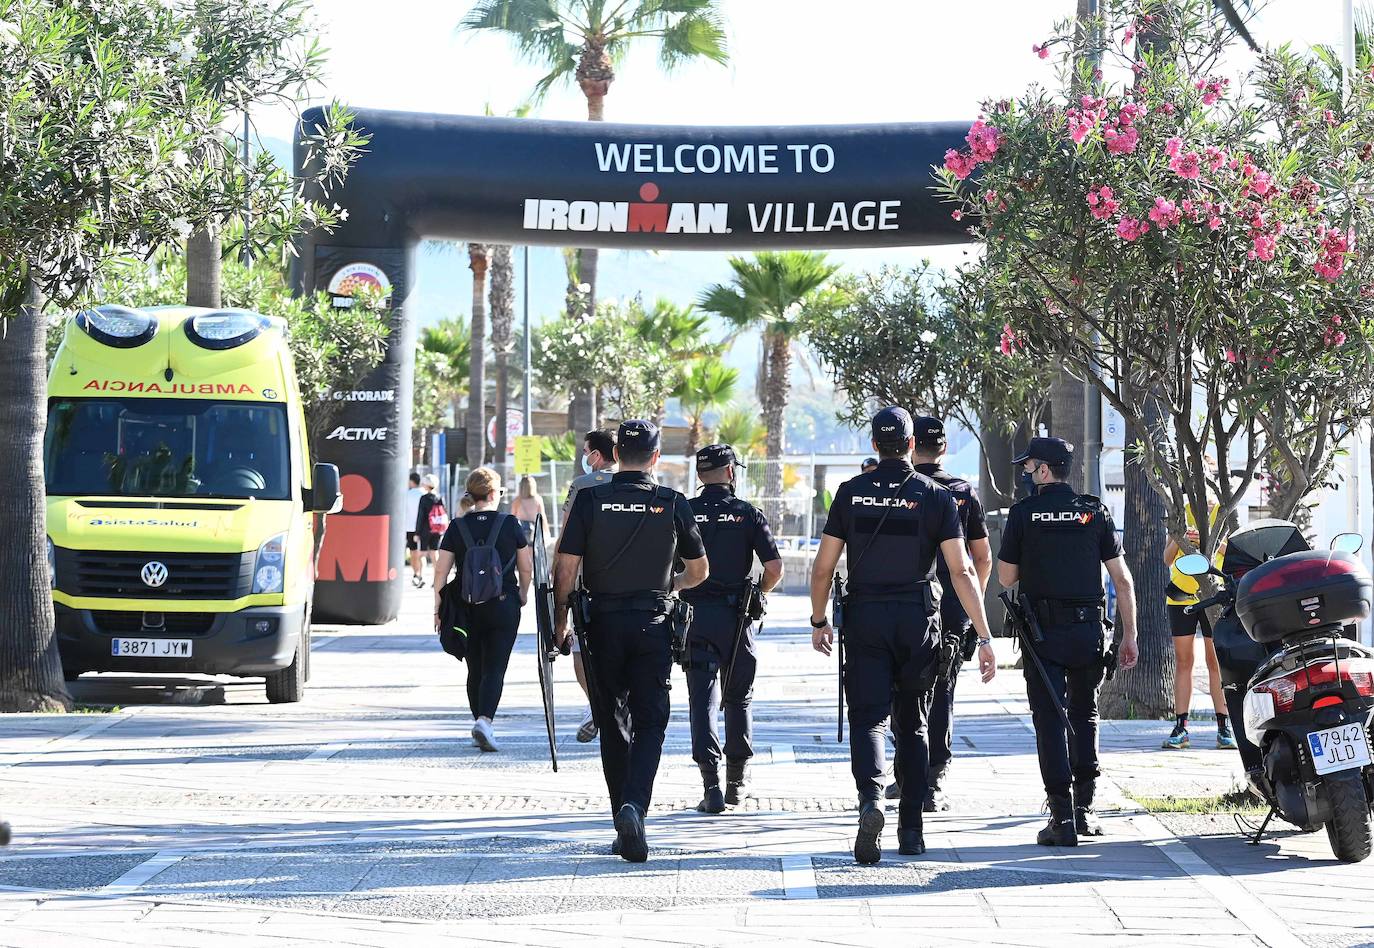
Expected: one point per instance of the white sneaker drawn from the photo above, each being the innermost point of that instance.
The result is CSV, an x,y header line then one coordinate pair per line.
x,y
586,733
484,736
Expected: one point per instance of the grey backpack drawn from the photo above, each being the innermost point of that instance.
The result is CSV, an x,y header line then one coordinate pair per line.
x,y
482,570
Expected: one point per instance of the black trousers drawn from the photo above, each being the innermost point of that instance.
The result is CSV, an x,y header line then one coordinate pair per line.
x,y
1062,760
941,726
889,667
630,660
493,627
711,642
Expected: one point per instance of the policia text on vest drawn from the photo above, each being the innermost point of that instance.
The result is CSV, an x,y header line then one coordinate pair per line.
x,y
625,537
893,522
720,660
1055,544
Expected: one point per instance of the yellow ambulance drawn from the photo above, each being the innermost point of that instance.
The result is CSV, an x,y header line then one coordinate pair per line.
x,y
181,507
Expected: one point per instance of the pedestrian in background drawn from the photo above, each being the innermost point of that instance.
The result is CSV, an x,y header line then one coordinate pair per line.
x,y
494,623
412,517
1182,593
431,519
529,510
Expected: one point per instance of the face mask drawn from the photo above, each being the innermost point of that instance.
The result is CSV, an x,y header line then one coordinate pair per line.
x,y
1028,480
586,465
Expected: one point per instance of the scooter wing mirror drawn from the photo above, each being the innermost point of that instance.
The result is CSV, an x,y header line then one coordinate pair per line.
x,y
1194,564
1347,543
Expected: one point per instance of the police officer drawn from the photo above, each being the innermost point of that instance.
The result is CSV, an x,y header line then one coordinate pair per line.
x,y
625,537
893,522
955,628
721,651
1055,543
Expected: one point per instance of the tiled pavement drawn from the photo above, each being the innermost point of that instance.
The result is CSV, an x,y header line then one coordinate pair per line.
x,y
200,815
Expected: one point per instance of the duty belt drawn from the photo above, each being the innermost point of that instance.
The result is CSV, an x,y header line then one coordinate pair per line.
x,y
921,594
630,602
1068,612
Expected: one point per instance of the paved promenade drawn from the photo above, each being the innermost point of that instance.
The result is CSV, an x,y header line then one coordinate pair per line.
x,y
197,814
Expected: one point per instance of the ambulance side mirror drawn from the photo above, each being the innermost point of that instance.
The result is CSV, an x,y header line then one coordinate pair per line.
x,y
326,495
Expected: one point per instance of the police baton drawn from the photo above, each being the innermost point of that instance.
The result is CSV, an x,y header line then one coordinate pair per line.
x,y
837,623
1021,622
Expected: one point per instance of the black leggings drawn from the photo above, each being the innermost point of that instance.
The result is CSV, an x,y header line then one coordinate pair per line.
x,y
491,637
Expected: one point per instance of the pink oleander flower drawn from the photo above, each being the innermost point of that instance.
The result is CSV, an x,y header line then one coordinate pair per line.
x,y
990,197
1214,223
1130,112
1128,35
983,141
1121,141
1335,245
1131,228
1186,165
1173,146
1329,116
1042,51
1009,342
957,214
1167,108
1165,213
1080,124
959,164
1216,157
1333,339
1265,245
1262,183
1101,202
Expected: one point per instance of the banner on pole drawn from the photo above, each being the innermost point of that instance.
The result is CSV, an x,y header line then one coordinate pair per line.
x,y
527,456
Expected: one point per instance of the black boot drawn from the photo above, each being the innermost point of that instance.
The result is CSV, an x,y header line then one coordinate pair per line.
x,y
736,780
1060,830
867,844
1085,821
712,801
911,841
629,829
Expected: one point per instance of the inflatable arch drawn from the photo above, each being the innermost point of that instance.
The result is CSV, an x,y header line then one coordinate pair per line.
x,y
573,184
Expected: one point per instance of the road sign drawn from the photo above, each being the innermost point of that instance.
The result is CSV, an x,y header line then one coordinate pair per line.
x,y
527,456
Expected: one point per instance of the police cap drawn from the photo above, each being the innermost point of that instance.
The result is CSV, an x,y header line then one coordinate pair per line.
x,y
929,432
638,435
892,425
713,457
1049,450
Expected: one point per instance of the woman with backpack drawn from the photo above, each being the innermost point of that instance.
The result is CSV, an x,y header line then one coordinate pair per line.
x,y
494,567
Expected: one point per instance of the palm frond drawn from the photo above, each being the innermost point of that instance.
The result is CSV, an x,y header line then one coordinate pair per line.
x,y
1237,22
692,37
538,30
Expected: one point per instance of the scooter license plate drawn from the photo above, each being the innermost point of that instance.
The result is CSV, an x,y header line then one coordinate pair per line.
x,y
1339,748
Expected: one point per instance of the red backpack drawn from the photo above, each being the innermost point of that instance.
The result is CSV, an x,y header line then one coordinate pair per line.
x,y
438,518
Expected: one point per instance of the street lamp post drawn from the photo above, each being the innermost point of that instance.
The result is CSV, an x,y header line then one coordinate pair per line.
x,y
529,414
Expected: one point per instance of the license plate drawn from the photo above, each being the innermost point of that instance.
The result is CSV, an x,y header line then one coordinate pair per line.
x,y
151,648
1339,748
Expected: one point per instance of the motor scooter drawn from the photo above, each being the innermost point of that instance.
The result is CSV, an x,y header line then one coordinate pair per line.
x,y
1309,701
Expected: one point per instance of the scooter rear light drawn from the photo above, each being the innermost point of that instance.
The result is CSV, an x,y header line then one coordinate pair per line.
x,y
1302,572
1359,672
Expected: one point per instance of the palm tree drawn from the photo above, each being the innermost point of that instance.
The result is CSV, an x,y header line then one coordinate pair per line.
x,y
740,427
479,257
680,334
707,386
448,339
770,292
502,297
582,41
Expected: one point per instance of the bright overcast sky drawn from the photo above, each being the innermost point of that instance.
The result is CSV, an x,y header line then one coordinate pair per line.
x,y
793,61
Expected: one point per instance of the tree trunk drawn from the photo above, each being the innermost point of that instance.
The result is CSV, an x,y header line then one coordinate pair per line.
x,y
694,436
203,265
583,412
477,407
775,389
30,669
1145,691
502,323
1068,420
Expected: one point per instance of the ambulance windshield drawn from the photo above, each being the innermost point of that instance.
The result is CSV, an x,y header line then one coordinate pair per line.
x,y
146,447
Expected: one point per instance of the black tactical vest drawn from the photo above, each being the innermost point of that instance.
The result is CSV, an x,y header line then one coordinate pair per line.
x,y
951,610
636,518
1061,546
726,525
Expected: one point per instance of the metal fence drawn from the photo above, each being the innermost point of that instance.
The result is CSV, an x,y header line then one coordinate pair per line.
x,y
793,491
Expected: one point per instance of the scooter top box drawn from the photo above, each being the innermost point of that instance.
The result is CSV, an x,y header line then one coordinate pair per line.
x,y
1291,594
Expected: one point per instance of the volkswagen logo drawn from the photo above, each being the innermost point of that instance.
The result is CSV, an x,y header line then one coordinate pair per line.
x,y
154,574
